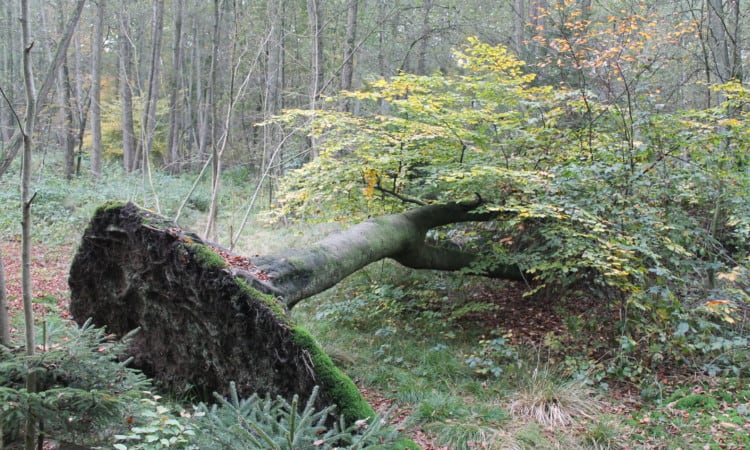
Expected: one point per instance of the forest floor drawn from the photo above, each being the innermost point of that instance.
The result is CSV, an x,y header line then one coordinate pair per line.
x,y
718,421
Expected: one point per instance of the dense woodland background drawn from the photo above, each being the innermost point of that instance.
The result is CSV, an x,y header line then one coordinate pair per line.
x,y
609,141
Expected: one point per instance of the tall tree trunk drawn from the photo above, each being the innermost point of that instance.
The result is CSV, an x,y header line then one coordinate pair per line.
x,y
148,127
519,26
126,93
317,80
424,38
16,140
4,311
273,102
717,22
175,102
67,116
201,110
213,209
7,122
347,69
96,91
27,133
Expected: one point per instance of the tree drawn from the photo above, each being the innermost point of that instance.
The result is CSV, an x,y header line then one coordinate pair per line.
x,y
148,123
4,312
65,94
96,90
126,92
347,70
27,132
175,129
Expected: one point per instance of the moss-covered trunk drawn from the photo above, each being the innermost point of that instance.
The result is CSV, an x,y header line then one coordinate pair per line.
x,y
297,274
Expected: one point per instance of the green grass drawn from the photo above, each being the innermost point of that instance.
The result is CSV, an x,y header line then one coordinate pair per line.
x,y
62,208
710,415
531,404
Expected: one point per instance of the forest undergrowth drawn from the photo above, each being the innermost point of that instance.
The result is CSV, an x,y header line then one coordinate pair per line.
x,y
454,362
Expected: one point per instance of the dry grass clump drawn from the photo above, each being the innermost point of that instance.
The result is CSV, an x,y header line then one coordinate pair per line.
x,y
550,400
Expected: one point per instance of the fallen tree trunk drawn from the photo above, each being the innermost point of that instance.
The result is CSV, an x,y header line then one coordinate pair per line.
x,y
206,316
300,273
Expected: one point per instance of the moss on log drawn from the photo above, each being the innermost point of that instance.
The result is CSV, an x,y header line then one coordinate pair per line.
x,y
201,325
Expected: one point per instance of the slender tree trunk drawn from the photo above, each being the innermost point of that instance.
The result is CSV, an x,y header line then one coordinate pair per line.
x,y
96,91
4,312
66,105
26,198
519,26
175,102
126,93
317,80
7,123
200,99
719,40
210,231
347,70
16,140
148,127
424,38
273,102
152,95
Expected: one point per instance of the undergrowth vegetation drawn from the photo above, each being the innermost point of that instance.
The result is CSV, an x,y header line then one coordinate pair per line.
x,y
433,349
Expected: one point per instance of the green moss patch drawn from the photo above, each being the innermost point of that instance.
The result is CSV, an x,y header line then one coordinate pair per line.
x,y
278,308
341,388
108,206
205,256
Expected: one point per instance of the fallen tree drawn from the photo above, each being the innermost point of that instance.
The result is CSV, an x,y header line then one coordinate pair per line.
x,y
209,317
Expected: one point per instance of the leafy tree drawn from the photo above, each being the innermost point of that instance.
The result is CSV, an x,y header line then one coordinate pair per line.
x,y
639,212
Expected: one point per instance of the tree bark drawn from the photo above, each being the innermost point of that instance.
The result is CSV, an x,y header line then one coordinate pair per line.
x,y
424,38
273,99
4,312
173,138
126,94
317,66
213,209
96,91
66,105
148,126
27,133
298,274
347,69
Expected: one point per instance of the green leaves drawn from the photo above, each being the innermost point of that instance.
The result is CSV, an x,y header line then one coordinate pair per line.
x,y
644,206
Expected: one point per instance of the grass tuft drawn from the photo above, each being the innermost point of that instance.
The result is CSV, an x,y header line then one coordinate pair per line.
x,y
549,400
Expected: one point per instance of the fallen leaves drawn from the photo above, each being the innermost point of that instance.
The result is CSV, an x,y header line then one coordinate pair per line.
x,y
49,274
